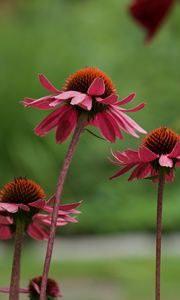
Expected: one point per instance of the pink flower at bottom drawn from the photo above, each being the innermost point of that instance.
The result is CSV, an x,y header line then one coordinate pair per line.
x,y
52,289
150,14
22,198
160,149
88,94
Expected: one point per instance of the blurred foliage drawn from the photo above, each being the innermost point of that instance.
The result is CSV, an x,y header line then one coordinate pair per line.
x,y
57,38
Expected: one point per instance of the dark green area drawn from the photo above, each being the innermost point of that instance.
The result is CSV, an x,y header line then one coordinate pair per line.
x,y
57,38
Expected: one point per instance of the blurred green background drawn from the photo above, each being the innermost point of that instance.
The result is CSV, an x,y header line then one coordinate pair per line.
x,y
57,38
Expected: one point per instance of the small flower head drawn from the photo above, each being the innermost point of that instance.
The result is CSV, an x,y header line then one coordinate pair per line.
x,y
150,14
88,94
160,149
52,290
23,199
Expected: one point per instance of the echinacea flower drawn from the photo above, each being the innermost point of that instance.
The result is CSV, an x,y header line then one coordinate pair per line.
x,y
23,199
160,149
52,289
150,14
88,94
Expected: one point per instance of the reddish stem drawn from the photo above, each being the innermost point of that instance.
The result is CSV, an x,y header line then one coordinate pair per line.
x,y
158,232
15,274
60,184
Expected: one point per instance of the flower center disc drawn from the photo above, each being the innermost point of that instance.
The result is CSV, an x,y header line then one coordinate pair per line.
x,y
161,141
21,190
81,80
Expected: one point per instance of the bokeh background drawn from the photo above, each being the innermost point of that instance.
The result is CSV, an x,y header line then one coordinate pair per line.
x,y
57,38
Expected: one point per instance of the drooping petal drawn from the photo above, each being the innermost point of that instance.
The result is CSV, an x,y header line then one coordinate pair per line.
x,y
136,108
146,154
164,161
37,232
23,207
38,203
140,172
51,121
78,99
47,84
111,99
128,99
97,87
67,95
66,125
12,208
175,153
132,123
5,232
4,220
43,103
105,126
123,171
87,103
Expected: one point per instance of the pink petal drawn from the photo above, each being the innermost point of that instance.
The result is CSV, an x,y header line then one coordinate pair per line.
x,y
67,95
137,108
111,99
146,154
78,99
87,103
70,206
5,220
5,232
133,156
38,204
132,123
41,103
97,87
37,232
66,125
128,99
47,84
170,177
12,208
51,121
164,161
36,287
124,170
175,153
105,127
141,171
178,164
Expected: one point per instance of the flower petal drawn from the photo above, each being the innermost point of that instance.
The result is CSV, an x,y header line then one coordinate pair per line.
x,y
128,99
87,103
124,170
23,207
37,232
164,161
41,103
78,99
111,99
50,121
38,203
67,95
5,232
66,125
97,87
12,208
146,154
105,126
136,108
175,153
47,84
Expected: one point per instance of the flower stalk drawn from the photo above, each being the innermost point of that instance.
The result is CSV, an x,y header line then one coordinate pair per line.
x,y
59,189
158,233
15,275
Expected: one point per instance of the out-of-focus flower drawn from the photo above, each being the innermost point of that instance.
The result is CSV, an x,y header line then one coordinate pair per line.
x,y
150,14
160,149
52,289
88,94
24,200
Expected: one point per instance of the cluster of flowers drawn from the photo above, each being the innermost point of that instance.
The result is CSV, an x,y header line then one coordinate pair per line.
x,y
89,97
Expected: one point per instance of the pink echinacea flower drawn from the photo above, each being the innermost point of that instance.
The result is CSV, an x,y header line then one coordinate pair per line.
x,y
52,289
23,199
159,149
150,14
88,94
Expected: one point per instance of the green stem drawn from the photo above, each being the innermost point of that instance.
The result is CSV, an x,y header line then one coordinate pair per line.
x,y
158,232
15,274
